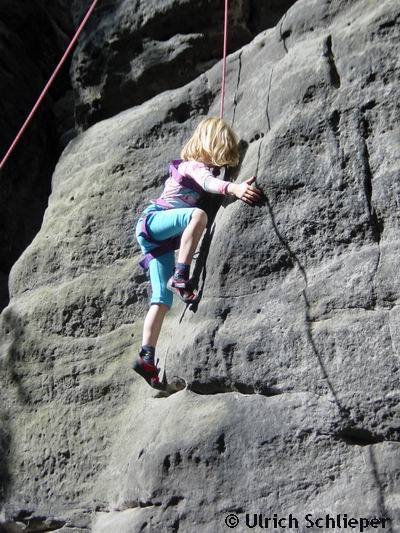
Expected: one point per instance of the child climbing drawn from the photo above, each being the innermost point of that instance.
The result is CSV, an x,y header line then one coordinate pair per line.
x,y
174,218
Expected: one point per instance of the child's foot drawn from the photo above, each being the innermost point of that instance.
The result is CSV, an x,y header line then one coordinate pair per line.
x,y
183,289
145,367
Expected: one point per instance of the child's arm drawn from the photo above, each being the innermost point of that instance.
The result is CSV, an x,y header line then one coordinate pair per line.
x,y
202,175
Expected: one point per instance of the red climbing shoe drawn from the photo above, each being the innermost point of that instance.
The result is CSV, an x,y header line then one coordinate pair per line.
x,y
148,371
183,289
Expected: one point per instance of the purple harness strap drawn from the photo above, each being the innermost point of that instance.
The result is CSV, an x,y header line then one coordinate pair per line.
x,y
185,181
162,248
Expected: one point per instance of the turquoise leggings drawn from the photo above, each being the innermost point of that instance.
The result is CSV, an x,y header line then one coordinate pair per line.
x,y
162,224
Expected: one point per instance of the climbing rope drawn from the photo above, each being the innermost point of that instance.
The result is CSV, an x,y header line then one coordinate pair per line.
x,y
221,115
46,88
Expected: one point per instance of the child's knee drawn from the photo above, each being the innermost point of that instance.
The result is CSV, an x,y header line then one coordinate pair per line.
x,y
162,306
164,297
200,217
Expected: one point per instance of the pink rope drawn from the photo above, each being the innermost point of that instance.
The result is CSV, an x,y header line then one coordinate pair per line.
x,y
46,88
224,60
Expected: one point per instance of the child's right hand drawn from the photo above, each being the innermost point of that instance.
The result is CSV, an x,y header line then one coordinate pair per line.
x,y
245,192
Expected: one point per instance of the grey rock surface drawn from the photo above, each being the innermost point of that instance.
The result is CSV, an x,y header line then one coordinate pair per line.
x,y
143,47
291,360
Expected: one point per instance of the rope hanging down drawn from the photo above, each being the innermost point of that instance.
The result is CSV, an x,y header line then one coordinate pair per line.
x,y
46,88
221,115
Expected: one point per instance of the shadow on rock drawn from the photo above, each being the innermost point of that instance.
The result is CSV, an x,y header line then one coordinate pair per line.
x,y
5,447
11,335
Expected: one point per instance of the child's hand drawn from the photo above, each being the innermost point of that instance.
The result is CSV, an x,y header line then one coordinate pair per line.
x,y
245,192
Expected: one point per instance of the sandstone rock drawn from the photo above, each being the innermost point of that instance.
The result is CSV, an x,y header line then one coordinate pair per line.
x,y
291,359
145,47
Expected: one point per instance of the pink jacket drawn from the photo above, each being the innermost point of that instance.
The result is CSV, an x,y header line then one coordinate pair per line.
x,y
176,194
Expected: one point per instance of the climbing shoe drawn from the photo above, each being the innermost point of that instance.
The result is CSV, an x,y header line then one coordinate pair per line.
x,y
183,288
145,367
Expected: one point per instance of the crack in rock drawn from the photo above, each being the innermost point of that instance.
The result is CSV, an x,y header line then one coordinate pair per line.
x,y
334,76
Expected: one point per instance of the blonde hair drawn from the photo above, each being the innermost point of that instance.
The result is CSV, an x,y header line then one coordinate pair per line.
x,y
213,143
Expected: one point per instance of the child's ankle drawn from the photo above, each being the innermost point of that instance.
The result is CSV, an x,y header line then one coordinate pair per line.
x,y
147,353
182,271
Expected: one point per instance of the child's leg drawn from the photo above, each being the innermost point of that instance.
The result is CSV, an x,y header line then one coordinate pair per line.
x,y
153,323
191,236
188,222
161,269
180,282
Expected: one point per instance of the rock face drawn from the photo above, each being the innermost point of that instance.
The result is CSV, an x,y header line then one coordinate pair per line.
x,y
292,358
143,47
33,36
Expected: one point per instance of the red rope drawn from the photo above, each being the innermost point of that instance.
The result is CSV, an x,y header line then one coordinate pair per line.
x,y
224,60
46,88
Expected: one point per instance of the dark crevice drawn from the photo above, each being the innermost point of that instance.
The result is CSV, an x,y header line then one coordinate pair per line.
x,y
181,113
220,444
359,436
284,34
338,159
268,97
166,464
377,225
235,98
334,121
37,524
334,76
174,501
149,503
259,155
219,386
175,526
368,105
389,24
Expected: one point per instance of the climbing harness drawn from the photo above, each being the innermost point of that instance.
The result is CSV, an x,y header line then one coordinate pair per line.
x,y
162,246
170,244
48,84
221,115
184,181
